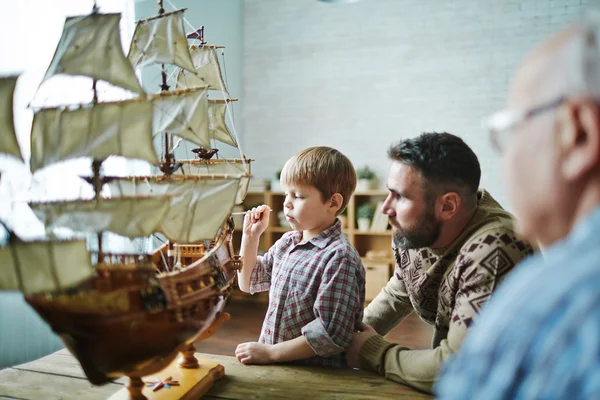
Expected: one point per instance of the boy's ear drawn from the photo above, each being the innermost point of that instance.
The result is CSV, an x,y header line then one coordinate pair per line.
x,y
336,201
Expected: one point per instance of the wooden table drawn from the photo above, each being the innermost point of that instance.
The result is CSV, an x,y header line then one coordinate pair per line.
x,y
59,376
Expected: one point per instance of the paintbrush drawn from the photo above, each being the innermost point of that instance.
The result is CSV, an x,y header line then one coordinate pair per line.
x,y
249,211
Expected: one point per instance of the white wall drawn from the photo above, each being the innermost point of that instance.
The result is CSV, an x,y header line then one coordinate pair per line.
x,y
361,76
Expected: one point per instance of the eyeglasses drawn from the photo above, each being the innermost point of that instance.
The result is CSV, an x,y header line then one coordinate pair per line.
x,y
503,121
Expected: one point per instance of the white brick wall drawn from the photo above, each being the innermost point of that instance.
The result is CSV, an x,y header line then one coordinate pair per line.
x,y
361,76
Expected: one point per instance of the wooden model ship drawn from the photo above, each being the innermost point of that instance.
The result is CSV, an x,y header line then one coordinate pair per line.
x,y
130,314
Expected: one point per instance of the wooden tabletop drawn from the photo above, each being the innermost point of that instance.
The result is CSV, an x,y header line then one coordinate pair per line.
x,y
59,376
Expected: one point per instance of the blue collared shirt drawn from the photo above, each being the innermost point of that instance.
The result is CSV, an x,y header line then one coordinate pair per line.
x,y
539,335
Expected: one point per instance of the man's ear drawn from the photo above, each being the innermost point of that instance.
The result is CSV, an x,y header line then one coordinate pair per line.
x,y
448,205
335,202
579,137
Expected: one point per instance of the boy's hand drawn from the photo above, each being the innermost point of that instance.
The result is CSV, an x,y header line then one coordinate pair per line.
x,y
254,353
256,221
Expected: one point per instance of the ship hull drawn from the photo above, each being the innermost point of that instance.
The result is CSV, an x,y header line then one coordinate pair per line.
x,y
108,348
133,321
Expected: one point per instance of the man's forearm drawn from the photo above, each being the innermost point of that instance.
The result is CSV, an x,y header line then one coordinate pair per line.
x,y
248,253
415,368
385,312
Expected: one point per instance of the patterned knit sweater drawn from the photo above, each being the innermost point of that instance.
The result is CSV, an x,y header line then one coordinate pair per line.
x,y
446,288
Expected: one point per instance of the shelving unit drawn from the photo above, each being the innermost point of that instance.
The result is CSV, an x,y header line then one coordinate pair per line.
x,y
373,247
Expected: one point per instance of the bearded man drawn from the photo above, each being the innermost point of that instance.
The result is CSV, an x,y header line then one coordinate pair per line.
x,y
453,244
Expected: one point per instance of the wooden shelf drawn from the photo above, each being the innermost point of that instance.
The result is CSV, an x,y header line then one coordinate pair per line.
x,y
374,192
369,233
378,269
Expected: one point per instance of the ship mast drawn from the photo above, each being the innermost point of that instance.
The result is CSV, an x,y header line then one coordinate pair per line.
x,y
163,88
97,180
168,165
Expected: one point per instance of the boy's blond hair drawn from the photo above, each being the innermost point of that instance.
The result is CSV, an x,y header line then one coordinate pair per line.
x,y
324,168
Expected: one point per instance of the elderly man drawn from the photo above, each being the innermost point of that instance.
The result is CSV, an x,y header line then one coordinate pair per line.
x,y
539,338
453,244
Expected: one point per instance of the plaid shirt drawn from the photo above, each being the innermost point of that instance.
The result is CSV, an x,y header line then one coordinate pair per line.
x,y
316,289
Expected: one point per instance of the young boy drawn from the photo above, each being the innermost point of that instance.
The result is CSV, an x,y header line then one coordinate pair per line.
x,y
315,277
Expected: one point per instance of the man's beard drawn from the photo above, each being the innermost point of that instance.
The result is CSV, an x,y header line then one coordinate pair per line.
x,y
423,234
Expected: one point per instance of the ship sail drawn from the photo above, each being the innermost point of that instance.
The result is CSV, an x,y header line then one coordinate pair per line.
x,y
222,166
91,46
95,130
183,113
124,128
42,266
185,210
161,40
218,127
207,70
8,137
199,205
127,216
